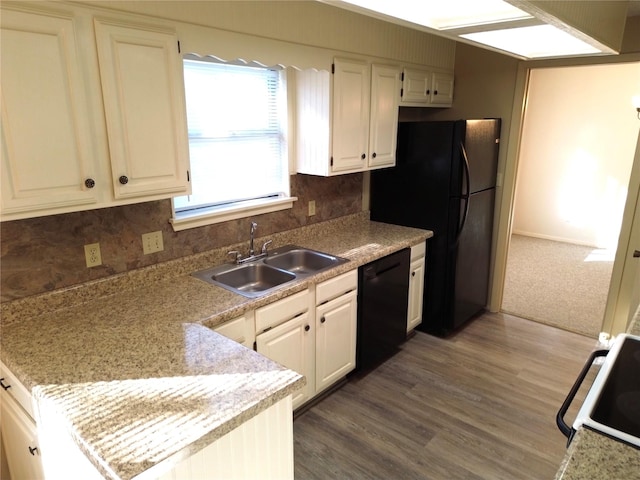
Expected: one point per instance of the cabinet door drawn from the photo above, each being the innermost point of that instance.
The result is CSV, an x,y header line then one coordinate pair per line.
x,y
20,442
351,96
416,288
291,344
46,143
143,93
383,125
416,86
336,324
442,89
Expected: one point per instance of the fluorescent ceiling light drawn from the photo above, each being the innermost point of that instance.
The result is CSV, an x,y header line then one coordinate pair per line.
x,y
539,41
495,24
445,14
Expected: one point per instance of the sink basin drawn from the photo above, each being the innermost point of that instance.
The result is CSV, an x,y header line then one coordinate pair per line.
x,y
301,260
265,274
250,280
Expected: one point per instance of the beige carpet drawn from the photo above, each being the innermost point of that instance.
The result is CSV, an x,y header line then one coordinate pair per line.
x,y
557,283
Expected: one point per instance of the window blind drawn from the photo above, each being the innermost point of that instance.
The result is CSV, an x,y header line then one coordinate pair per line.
x,y
236,141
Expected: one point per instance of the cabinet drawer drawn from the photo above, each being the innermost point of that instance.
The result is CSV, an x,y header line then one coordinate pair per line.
x,y
418,251
335,287
282,310
16,389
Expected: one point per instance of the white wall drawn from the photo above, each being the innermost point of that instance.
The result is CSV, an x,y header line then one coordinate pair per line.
x,y
578,142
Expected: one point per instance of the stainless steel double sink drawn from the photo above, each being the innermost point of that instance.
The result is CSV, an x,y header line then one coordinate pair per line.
x,y
264,275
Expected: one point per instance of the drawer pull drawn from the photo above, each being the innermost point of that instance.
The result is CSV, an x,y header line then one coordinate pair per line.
x,y
2,384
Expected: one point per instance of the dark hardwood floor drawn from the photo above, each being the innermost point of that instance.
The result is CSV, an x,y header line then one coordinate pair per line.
x,y
480,404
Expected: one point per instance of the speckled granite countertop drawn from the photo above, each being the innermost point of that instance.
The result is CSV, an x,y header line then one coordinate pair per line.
x,y
592,455
135,349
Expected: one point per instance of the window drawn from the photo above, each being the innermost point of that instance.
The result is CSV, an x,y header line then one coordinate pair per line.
x,y
236,118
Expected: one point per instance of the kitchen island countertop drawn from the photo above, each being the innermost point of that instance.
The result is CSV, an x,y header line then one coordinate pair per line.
x,y
593,455
138,350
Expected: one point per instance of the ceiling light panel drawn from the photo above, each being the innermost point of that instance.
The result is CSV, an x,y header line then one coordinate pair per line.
x,y
541,41
445,15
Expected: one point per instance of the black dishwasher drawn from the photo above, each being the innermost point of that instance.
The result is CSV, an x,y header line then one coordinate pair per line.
x,y
383,293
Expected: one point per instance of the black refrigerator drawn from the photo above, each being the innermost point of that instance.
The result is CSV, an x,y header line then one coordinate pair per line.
x,y
444,180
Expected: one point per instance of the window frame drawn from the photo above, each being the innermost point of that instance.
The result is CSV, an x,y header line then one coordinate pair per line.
x,y
197,217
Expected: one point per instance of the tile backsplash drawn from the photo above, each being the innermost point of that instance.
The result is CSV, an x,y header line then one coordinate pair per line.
x,y
46,253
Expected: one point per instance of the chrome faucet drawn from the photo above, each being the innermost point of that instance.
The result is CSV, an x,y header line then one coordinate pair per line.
x,y
252,232
237,257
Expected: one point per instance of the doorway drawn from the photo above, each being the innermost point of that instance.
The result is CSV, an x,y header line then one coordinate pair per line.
x,y
577,147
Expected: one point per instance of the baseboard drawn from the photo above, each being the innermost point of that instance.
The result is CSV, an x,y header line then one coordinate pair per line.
x,y
554,238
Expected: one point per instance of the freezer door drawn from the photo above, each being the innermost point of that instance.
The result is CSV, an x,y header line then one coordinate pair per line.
x,y
477,145
470,257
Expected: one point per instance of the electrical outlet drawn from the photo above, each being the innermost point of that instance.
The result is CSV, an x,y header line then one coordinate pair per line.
x,y
152,242
312,207
92,255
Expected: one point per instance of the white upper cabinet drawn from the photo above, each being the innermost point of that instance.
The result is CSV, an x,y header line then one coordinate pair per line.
x,y
426,88
47,154
143,92
64,75
383,126
351,87
346,122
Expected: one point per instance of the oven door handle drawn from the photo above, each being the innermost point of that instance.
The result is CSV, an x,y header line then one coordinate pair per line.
x,y
562,425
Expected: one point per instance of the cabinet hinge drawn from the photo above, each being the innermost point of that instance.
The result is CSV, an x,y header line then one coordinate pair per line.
x,y
333,68
401,92
178,46
402,77
188,176
332,161
255,346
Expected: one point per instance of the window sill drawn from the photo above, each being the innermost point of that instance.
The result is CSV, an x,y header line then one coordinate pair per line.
x,y
200,218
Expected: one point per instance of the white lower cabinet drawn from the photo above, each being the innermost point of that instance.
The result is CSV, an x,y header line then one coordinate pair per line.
x,y
336,339
262,447
18,429
416,286
20,439
314,335
285,335
241,329
291,345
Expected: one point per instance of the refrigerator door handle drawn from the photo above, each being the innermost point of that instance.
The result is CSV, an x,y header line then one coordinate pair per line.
x,y
464,196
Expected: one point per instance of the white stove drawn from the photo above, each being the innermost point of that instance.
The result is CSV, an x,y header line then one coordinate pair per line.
x,y
612,405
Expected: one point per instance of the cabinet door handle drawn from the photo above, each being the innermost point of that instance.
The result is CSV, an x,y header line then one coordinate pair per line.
x,y
123,179
322,320
33,450
435,92
636,254
2,384
374,155
89,183
363,156
428,91
413,274
307,328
